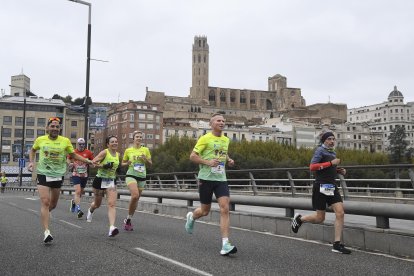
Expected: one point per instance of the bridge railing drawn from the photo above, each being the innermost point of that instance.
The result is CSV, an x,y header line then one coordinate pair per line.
x,y
383,198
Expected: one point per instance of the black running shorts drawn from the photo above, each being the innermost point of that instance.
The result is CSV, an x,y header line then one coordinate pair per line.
x,y
206,189
97,183
320,201
45,181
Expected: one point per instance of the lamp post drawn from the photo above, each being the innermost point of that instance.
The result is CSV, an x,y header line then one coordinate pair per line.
x,y
24,130
88,61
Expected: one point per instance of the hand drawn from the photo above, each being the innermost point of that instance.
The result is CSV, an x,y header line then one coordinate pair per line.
x,y
336,161
230,162
341,171
213,162
30,167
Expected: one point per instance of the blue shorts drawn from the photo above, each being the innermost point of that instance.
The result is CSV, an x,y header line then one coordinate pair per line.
x,y
208,187
76,180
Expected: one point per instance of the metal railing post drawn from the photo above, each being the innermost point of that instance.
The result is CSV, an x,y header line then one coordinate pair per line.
x,y
411,174
398,193
383,222
344,186
253,184
159,182
177,183
291,182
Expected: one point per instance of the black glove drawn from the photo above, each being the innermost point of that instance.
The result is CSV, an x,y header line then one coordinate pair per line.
x,y
108,165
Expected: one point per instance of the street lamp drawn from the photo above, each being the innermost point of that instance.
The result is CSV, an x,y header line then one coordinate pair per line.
x,y
24,130
88,61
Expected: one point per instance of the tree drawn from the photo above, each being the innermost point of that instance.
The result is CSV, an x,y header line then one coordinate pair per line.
x,y
398,144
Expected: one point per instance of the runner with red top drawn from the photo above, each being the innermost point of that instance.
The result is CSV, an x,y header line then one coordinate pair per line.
x,y
79,175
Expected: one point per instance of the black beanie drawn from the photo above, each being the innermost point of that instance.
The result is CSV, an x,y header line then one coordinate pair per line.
x,y
326,135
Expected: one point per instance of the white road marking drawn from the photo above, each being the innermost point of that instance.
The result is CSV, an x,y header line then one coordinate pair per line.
x,y
71,224
31,198
193,269
34,211
14,204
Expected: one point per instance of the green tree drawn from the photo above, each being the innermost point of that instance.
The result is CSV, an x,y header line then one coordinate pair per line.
x,y
398,144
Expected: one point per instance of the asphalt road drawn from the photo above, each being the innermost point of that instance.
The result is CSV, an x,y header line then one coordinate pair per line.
x,y
160,246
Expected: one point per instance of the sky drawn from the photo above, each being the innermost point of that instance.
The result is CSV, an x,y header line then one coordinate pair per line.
x,y
351,52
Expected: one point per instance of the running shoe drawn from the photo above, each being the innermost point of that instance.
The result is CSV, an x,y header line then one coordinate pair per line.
x,y
340,248
228,249
128,225
80,214
113,231
89,216
72,206
189,225
296,223
48,237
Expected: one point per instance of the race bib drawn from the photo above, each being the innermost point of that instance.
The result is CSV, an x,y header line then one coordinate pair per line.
x,y
107,183
219,169
52,179
81,169
139,168
327,189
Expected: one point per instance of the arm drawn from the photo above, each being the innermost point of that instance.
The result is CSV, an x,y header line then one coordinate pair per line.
x,y
99,158
73,155
230,161
32,156
324,165
194,157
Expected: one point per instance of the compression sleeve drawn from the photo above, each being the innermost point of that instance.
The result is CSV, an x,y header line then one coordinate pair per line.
x,y
319,166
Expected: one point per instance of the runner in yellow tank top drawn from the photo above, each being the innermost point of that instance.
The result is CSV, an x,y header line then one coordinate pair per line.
x,y
136,158
105,182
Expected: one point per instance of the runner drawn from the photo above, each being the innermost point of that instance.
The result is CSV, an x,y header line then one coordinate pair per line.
x,y
79,175
3,181
105,182
51,168
210,153
136,158
325,192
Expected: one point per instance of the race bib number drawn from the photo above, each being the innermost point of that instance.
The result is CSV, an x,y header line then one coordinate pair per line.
x,y
52,179
327,189
219,169
107,183
139,168
81,169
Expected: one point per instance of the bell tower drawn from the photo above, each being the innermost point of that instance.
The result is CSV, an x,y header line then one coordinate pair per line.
x,y
199,88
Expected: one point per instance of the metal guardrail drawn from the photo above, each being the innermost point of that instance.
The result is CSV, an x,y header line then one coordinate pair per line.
x,y
285,193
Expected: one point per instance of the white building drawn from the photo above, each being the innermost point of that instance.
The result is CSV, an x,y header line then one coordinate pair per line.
x,y
382,118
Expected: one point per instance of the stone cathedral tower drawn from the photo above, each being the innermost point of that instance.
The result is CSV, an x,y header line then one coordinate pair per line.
x,y
199,88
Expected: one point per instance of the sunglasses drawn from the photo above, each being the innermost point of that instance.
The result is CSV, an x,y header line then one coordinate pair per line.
x,y
51,119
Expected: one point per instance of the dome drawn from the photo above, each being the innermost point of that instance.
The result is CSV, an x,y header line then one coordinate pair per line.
x,y
395,93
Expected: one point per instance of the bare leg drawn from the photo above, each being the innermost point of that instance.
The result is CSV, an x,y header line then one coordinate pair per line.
x,y
224,202
111,194
135,195
317,217
338,208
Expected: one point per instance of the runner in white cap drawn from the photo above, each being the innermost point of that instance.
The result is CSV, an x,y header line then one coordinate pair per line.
x,y
79,175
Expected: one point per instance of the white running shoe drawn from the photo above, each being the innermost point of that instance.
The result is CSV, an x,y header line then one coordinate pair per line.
x,y
113,231
89,216
48,237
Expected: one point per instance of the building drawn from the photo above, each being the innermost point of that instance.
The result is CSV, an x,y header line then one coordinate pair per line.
x,y
383,117
124,118
38,110
247,104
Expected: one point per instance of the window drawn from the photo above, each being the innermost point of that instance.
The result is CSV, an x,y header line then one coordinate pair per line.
x,y
40,132
141,126
18,133
7,132
73,134
74,123
150,136
18,121
150,116
150,126
29,133
5,158
131,125
131,117
141,116
30,121
7,120
41,122
6,142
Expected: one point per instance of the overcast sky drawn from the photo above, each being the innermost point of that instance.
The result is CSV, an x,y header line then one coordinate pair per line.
x,y
351,52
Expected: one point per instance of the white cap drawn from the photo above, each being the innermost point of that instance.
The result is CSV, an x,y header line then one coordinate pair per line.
x,y
81,140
